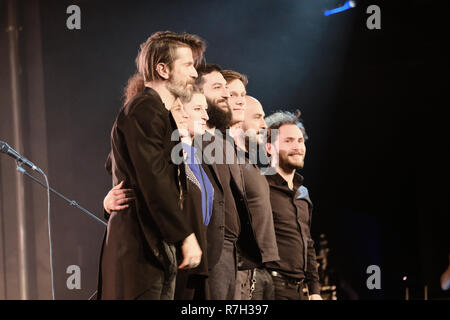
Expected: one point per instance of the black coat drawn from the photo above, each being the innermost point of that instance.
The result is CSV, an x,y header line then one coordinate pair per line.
x,y
216,227
192,283
137,237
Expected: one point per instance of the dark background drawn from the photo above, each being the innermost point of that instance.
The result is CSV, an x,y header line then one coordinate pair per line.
x,y
372,101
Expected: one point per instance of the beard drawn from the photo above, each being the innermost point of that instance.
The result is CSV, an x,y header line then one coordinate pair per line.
x,y
289,164
218,117
180,89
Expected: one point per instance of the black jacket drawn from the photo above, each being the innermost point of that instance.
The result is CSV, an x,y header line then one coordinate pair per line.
x,y
136,238
216,227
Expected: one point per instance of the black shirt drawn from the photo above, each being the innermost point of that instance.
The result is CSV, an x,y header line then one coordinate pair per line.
x,y
220,143
292,220
258,197
232,223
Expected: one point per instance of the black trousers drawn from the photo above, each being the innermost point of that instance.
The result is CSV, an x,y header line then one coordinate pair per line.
x,y
254,284
222,277
191,286
285,290
264,287
163,282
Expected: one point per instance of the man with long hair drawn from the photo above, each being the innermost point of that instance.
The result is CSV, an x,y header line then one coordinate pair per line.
x,y
138,259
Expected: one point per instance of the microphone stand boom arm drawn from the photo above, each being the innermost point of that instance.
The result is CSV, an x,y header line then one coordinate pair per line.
x,y
71,202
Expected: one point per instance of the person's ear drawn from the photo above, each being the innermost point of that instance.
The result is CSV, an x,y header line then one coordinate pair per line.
x,y
163,70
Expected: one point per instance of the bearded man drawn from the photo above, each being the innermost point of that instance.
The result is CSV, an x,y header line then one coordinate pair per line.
x,y
138,258
295,275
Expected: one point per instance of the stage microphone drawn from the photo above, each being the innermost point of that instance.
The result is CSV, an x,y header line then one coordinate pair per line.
x,y
5,148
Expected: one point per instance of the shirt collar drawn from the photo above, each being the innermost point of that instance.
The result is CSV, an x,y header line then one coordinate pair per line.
x,y
278,180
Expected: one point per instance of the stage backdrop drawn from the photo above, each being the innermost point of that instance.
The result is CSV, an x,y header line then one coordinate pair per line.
x,y
371,101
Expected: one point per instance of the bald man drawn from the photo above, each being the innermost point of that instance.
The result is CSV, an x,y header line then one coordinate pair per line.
x,y
254,282
254,119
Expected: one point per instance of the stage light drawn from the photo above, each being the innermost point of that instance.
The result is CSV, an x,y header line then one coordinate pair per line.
x,y
346,6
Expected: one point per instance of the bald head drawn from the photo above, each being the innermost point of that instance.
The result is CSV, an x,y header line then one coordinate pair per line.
x,y
254,115
253,102
254,111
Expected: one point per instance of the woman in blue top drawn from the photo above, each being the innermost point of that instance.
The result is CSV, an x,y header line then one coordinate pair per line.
x,y
191,117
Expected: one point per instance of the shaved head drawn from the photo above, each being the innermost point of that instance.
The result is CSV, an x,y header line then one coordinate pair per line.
x,y
254,114
251,101
254,118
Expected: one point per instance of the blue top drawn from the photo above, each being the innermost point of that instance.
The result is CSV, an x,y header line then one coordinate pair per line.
x,y
202,181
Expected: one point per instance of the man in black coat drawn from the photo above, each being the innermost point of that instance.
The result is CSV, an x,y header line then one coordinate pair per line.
x,y
138,253
230,222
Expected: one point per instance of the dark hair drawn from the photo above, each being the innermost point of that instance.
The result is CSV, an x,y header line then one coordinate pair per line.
x,y
280,118
134,86
231,75
160,47
206,68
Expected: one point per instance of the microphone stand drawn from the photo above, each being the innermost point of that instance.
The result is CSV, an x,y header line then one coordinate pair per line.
x,y
71,202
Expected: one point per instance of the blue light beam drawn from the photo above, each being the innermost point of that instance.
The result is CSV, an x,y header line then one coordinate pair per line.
x,y
346,6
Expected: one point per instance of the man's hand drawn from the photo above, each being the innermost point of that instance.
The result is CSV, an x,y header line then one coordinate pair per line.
x,y
117,198
315,297
192,254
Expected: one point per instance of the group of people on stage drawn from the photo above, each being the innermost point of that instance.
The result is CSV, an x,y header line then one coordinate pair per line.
x,y
206,203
